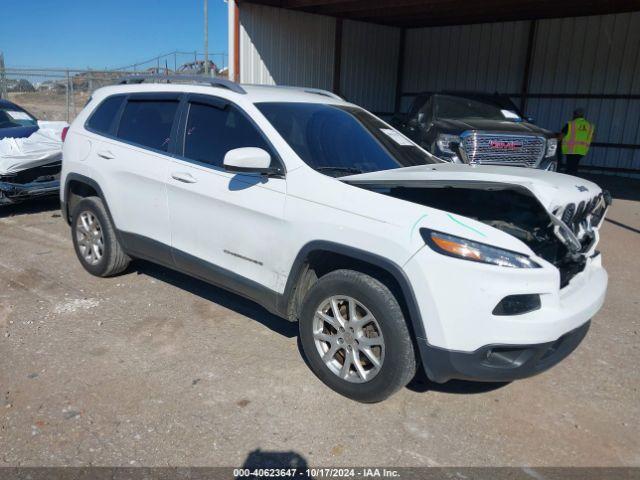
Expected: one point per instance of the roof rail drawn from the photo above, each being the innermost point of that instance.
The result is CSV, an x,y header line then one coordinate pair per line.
x,y
213,81
326,93
317,91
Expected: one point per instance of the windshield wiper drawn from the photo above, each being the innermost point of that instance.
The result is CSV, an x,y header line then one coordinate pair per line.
x,y
346,170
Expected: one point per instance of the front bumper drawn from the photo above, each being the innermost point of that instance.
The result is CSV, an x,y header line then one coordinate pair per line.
x,y
16,192
462,338
500,363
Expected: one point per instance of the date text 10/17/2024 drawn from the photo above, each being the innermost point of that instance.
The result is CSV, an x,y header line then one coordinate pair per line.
x,y
316,473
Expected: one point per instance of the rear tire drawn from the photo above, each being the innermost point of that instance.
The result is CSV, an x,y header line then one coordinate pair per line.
x,y
95,240
366,353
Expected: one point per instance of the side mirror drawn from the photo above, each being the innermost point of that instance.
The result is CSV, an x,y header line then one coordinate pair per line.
x,y
420,118
249,160
530,119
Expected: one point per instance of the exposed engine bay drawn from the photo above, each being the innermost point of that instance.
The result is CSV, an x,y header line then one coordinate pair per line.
x,y
563,238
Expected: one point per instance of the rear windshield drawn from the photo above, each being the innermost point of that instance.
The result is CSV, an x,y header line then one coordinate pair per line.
x,y
11,117
342,140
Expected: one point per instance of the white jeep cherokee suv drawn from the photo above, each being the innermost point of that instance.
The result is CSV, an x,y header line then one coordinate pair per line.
x,y
324,214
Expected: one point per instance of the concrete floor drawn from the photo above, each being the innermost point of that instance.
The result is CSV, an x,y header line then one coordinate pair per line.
x,y
154,368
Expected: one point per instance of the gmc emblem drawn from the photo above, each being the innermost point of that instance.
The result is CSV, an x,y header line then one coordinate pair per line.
x,y
505,145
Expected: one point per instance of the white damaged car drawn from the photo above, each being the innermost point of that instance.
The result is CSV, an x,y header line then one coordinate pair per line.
x,y
323,214
30,155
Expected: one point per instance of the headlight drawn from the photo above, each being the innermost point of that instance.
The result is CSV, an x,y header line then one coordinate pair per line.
x,y
445,140
474,251
552,147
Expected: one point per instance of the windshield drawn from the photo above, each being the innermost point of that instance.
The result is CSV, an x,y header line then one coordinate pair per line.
x,y
13,117
341,140
459,107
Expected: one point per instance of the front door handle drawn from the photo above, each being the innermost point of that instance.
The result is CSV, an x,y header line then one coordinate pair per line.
x,y
183,177
106,154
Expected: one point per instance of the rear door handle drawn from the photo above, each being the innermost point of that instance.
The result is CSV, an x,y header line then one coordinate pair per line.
x,y
106,154
183,177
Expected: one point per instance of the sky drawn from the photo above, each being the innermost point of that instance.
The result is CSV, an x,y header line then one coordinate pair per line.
x,y
106,34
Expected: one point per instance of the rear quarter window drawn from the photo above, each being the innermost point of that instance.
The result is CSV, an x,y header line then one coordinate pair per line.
x,y
102,118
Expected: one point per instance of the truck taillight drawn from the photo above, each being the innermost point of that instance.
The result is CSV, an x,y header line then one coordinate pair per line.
x,y
63,135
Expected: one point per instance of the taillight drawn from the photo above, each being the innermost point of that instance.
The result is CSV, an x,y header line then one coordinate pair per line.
x,y
63,135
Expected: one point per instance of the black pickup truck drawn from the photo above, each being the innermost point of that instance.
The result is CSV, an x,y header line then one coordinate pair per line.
x,y
477,128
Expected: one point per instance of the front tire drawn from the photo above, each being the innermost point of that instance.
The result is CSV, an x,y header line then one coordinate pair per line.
x,y
95,240
355,337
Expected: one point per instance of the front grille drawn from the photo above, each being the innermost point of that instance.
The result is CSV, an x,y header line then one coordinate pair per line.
x,y
573,216
567,215
500,149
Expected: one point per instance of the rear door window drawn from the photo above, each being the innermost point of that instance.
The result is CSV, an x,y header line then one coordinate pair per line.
x,y
102,118
148,122
211,131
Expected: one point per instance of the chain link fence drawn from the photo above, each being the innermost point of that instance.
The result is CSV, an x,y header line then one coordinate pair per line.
x,y
59,94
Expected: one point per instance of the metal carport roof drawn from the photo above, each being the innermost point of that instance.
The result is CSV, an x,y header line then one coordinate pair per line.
x,y
426,13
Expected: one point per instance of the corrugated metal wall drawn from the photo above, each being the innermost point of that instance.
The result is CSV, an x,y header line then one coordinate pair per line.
x,y
485,57
585,55
284,47
602,56
369,65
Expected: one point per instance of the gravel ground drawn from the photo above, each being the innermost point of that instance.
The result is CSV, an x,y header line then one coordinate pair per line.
x,y
155,368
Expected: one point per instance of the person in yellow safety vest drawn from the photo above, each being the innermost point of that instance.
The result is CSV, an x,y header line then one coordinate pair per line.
x,y
576,139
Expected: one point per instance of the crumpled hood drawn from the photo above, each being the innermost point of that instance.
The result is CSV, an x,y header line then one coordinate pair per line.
x,y
552,189
42,147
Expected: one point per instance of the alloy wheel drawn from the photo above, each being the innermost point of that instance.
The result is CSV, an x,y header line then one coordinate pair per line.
x,y
90,238
348,339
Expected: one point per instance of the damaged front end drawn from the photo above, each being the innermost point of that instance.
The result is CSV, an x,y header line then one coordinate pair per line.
x,y
31,183
565,237
30,165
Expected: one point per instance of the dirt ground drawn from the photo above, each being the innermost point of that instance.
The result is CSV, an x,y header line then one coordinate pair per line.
x,y
50,105
155,368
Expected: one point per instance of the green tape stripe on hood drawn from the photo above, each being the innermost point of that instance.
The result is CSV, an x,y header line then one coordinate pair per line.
x,y
413,228
465,225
